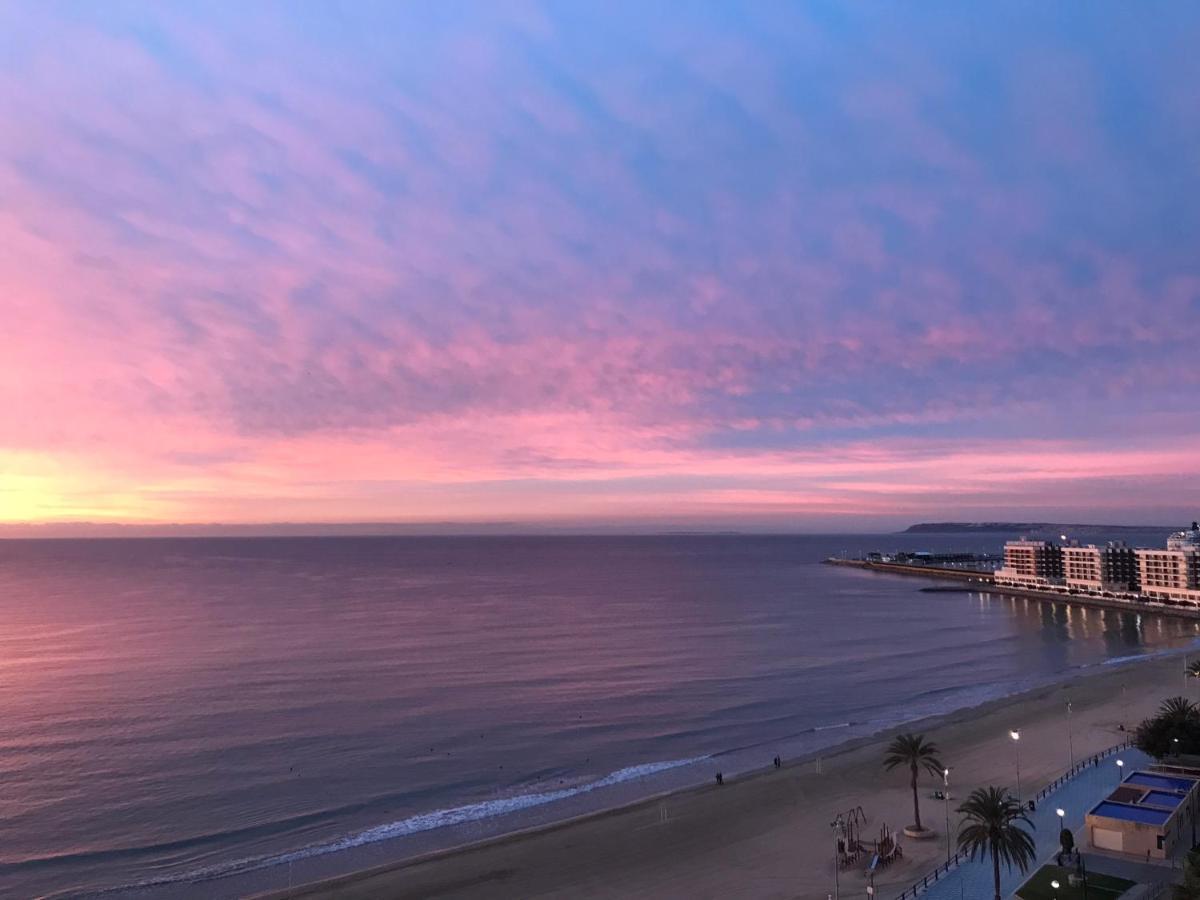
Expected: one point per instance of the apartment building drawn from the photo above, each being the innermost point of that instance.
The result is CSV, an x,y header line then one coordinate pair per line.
x,y
1166,575
1031,564
1110,569
1171,575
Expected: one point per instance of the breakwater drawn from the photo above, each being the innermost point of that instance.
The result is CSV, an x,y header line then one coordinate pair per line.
x,y
987,582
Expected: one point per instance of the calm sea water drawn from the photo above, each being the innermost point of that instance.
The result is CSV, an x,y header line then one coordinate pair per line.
x,y
212,717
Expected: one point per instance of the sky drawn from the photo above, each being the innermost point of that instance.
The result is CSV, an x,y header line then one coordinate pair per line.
x,y
769,266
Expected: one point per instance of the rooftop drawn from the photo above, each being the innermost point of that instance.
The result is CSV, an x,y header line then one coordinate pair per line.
x,y
1146,797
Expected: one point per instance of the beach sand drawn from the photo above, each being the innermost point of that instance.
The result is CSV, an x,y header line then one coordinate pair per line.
x,y
768,835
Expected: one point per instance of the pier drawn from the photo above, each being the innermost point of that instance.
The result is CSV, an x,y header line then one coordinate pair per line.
x,y
930,570
986,581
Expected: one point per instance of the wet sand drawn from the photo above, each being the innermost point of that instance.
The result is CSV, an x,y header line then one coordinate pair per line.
x,y
768,835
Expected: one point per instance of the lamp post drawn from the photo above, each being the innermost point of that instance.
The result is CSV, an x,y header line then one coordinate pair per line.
x,y
1054,884
837,856
946,797
1016,738
837,862
1062,824
1120,768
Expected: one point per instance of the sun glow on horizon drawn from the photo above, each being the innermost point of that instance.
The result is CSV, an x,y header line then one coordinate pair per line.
x,y
273,286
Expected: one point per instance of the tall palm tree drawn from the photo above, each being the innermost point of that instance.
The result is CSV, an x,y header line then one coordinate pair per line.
x,y
993,827
1194,669
1179,709
914,751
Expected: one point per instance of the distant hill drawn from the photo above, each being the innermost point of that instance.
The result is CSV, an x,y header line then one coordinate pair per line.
x,y
1030,528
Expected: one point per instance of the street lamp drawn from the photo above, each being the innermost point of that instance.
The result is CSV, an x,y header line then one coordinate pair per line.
x,y
1016,737
837,859
946,797
1054,884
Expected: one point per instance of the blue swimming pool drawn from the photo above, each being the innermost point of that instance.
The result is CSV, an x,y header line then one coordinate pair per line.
x,y
1162,798
1166,782
1145,814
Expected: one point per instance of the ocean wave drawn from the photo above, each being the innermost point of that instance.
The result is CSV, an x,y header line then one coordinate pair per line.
x,y
1155,654
440,818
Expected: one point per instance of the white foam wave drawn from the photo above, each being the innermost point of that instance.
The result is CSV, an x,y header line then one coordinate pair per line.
x,y
440,818
1121,660
830,727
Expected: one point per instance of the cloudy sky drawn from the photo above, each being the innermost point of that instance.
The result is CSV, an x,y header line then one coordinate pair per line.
x,y
635,264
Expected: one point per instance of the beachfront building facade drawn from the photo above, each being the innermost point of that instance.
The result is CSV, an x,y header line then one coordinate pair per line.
x,y
1170,575
1034,564
1148,814
1111,569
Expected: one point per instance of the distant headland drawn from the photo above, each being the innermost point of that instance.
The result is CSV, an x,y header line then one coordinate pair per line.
x,y
1027,528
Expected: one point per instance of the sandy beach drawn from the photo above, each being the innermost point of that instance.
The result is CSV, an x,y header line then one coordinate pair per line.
x,y
768,835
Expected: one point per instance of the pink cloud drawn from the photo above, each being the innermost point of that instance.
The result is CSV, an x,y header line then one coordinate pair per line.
x,y
334,290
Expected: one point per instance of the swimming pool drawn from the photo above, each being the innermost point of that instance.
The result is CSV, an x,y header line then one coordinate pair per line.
x,y
1162,798
1165,782
1147,815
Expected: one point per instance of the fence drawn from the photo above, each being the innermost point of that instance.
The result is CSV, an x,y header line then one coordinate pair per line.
x,y
1079,767
915,889
932,878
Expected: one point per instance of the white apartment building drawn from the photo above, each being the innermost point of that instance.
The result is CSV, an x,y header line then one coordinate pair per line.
x,y
1031,564
1111,569
1172,574
1083,567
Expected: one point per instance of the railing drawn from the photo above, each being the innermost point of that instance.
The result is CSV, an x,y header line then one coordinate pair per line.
x,y
1079,767
933,877
915,889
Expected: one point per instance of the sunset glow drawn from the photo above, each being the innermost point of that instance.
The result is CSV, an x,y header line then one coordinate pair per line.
x,y
530,264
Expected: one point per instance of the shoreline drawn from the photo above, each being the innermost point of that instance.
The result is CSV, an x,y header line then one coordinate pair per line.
x,y
402,877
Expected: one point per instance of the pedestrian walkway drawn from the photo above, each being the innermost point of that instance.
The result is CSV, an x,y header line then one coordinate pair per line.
x,y
1075,797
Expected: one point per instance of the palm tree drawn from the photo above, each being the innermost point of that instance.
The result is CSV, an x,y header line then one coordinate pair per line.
x,y
993,827
1194,669
1174,729
914,751
1178,709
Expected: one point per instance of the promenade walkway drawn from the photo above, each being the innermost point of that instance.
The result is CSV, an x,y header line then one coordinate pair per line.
x,y
974,879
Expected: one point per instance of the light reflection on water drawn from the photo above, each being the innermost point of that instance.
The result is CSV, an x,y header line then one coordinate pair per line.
x,y
172,706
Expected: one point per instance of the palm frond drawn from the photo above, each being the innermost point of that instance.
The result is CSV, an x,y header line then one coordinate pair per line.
x,y
996,823
912,750
1180,709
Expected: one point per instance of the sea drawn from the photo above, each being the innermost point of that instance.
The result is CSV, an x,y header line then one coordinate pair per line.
x,y
215,717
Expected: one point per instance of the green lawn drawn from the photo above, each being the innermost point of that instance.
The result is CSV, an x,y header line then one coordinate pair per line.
x,y
1100,887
